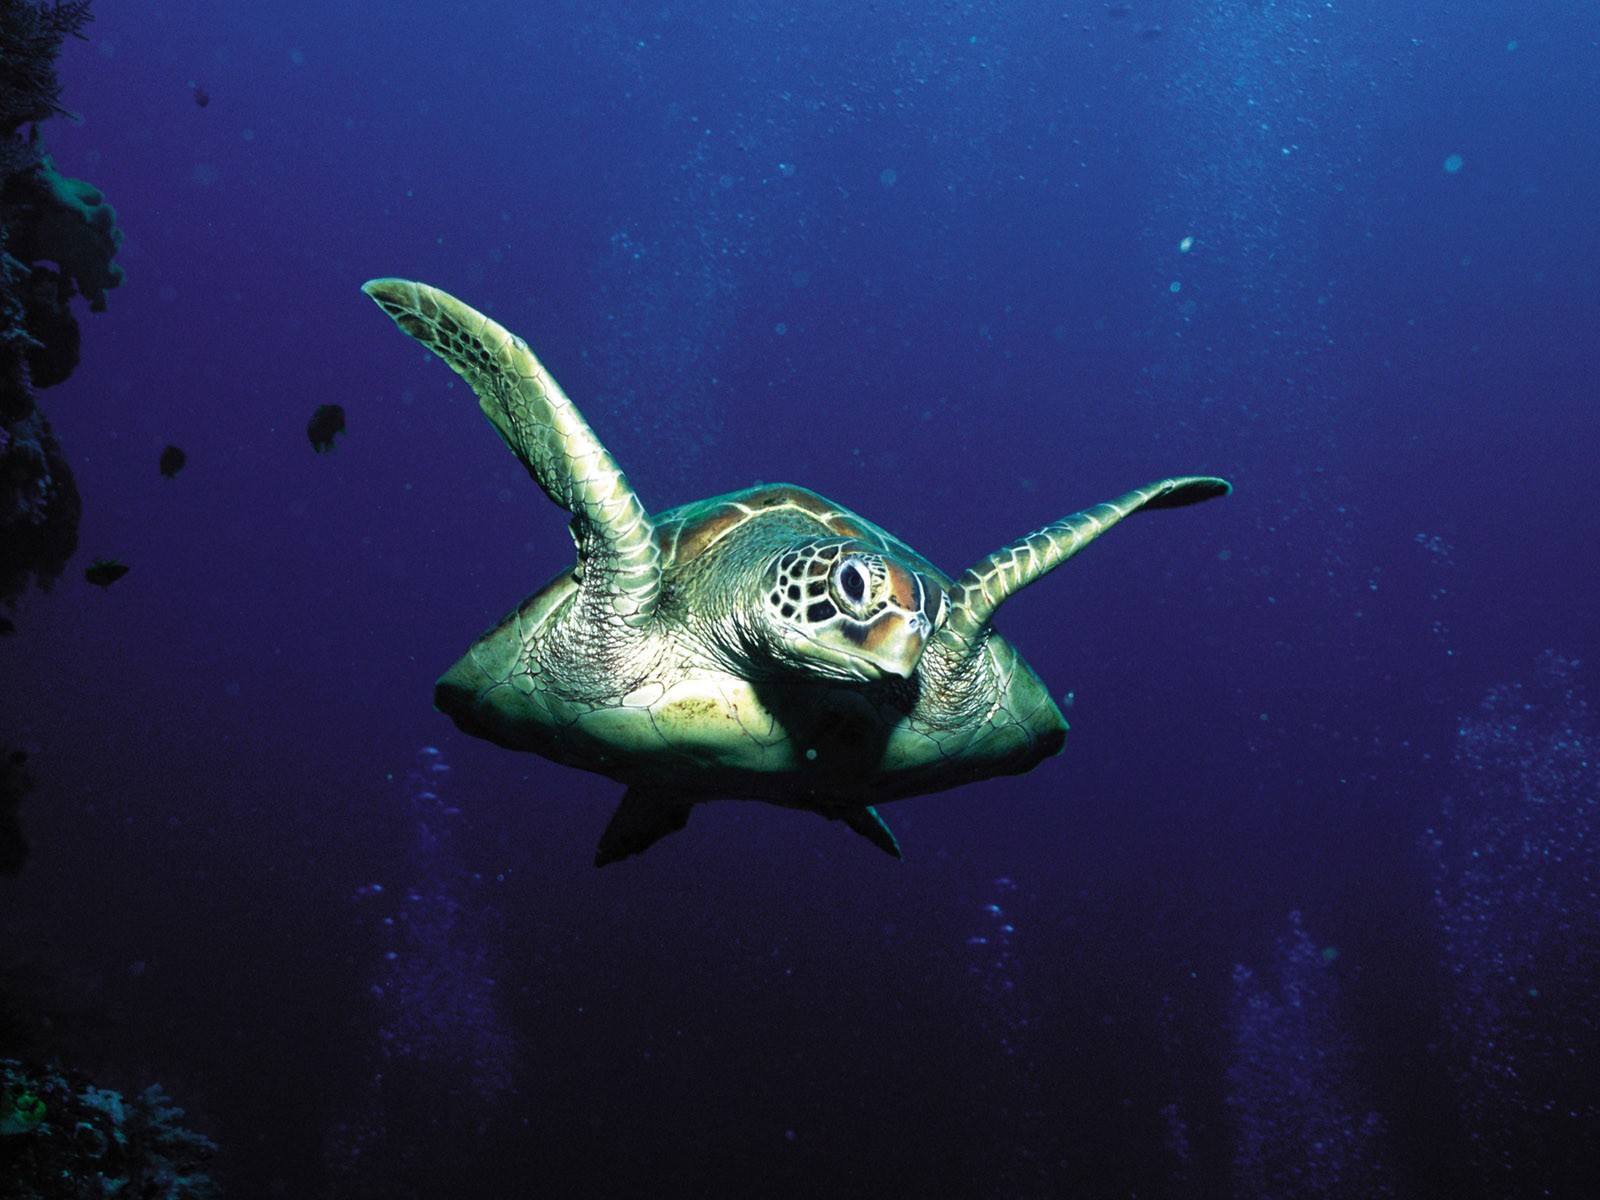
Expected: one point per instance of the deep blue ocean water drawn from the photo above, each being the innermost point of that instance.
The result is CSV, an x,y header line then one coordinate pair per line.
x,y
1308,906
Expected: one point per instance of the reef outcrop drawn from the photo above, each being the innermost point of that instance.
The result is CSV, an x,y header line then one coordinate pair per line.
x,y
63,1138
58,239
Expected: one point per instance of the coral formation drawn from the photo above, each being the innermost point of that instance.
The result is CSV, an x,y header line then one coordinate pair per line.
x,y
30,38
67,222
58,239
39,504
63,1138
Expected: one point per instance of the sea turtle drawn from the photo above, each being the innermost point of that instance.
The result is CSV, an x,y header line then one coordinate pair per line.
x,y
767,644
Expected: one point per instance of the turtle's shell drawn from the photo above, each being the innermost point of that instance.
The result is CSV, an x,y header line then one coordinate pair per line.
x,y
676,716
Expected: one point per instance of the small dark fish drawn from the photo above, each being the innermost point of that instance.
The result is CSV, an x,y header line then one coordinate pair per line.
x,y
103,572
7,626
172,460
327,421
201,96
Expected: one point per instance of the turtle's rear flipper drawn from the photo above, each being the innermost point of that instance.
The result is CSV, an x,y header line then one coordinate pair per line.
x,y
642,819
874,828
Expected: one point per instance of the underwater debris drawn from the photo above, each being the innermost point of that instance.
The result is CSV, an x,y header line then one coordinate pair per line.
x,y
325,423
103,572
172,460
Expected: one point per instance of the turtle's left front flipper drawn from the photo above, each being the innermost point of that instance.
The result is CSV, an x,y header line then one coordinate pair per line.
x,y
984,587
615,536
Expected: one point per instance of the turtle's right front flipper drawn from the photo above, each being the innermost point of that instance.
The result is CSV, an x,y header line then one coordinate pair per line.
x,y
615,536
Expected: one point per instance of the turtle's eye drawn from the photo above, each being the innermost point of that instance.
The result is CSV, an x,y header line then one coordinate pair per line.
x,y
850,581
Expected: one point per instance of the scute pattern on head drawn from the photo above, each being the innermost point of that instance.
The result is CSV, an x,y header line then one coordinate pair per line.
x,y
799,587
689,530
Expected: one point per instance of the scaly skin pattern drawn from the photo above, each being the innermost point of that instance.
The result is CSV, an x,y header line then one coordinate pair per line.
x,y
545,429
985,586
767,644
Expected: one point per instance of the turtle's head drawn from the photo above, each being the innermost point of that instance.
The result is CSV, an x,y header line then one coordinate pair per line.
x,y
839,609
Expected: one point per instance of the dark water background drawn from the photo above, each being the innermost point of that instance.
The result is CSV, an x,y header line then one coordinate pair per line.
x,y
1294,915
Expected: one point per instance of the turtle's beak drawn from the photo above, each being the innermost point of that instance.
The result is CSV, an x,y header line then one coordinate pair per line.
x,y
892,645
905,649
895,638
